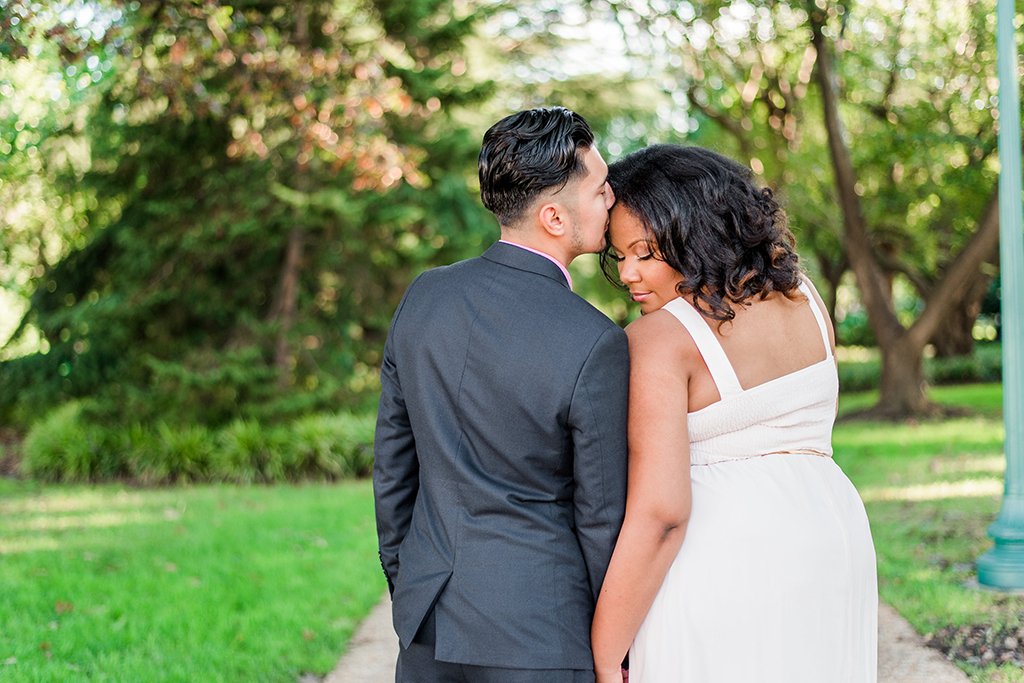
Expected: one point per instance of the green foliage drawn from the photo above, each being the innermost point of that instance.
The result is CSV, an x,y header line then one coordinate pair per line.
x,y
169,305
859,375
855,330
69,445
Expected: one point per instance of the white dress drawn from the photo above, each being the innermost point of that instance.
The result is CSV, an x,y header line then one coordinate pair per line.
x,y
775,580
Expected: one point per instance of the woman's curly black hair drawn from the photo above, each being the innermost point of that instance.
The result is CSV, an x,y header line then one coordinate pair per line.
x,y
707,219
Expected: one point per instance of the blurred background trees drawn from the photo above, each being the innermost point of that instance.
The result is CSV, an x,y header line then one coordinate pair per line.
x,y
209,209
255,181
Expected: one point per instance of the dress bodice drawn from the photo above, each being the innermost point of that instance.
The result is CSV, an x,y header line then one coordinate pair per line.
x,y
793,413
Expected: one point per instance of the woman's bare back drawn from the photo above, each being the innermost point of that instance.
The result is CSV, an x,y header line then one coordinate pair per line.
x,y
766,340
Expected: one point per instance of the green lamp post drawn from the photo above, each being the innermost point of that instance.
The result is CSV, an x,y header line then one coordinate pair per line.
x,y
1003,566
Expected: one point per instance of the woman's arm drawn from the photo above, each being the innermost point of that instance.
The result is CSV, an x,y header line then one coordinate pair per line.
x,y
658,498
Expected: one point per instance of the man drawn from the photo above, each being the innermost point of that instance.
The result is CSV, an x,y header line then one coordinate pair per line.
x,y
500,452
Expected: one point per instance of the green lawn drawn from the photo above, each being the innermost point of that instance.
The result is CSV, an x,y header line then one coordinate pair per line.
x,y
225,583
931,489
206,583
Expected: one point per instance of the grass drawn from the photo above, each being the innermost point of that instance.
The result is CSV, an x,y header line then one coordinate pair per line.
x,y
931,489
204,583
227,583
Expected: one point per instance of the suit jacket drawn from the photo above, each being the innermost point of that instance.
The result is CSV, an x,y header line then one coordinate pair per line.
x,y
500,461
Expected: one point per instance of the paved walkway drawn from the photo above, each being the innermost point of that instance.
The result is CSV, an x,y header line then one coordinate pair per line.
x,y
902,655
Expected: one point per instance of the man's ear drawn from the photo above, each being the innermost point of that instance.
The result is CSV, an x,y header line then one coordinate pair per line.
x,y
553,218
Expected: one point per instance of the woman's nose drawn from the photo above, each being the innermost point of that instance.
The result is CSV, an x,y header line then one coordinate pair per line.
x,y
628,272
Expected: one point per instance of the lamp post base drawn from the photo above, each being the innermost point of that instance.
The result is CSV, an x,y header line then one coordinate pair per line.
x,y
1002,566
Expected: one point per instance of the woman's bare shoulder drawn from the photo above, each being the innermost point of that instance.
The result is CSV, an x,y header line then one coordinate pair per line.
x,y
659,335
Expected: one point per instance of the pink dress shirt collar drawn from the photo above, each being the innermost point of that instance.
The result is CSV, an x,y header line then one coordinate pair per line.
x,y
565,272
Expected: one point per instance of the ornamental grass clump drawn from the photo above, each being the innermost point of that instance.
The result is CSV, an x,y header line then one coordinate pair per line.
x,y
332,446
63,447
248,453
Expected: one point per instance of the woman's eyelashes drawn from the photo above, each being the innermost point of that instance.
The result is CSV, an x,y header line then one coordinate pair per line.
x,y
640,257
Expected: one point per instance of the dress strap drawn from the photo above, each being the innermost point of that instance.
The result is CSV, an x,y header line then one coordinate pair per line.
x,y
806,289
707,343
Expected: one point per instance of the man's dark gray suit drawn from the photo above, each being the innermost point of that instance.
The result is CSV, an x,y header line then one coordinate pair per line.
x,y
500,461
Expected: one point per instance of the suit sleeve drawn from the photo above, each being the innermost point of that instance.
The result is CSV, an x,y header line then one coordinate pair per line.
x,y
395,463
598,422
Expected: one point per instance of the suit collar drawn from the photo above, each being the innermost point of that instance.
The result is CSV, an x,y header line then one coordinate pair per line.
x,y
516,257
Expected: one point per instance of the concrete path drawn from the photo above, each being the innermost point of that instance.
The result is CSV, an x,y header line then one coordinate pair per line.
x,y
372,652
902,655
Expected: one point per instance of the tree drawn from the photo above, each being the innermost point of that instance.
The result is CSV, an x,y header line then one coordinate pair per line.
x,y
894,97
258,195
902,391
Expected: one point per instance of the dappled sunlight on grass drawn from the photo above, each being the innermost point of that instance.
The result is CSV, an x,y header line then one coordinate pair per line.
x,y
68,501
968,488
27,545
880,454
80,509
95,520
966,463
940,437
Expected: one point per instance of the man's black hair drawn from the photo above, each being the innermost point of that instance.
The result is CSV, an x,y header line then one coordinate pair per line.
x,y
528,152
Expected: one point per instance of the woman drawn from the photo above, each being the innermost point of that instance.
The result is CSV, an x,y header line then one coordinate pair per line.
x,y
745,556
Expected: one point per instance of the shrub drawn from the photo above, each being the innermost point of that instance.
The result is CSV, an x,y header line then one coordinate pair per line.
x,y
186,451
984,365
332,446
69,445
247,453
179,454
859,375
60,448
310,446
144,455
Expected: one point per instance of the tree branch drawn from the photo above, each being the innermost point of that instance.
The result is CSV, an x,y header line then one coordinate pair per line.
x,y
960,274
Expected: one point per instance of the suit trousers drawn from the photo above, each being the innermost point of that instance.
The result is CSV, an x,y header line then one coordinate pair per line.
x,y
416,664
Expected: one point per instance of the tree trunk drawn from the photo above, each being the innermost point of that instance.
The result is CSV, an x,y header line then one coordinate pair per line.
x,y
958,278
955,337
833,272
870,280
286,301
902,388
902,391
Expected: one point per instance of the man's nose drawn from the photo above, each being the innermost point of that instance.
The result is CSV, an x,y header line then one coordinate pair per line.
x,y
609,196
